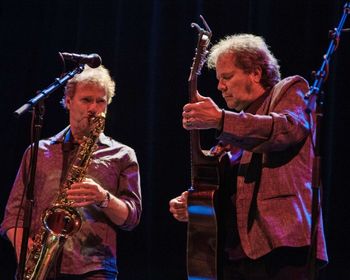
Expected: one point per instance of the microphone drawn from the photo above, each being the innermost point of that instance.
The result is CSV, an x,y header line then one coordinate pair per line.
x,y
93,60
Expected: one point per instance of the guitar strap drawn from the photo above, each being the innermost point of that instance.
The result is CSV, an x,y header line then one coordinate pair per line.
x,y
253,175
67,147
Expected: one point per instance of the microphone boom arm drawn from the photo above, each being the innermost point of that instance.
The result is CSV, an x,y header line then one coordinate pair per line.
x,y
322,74
46,92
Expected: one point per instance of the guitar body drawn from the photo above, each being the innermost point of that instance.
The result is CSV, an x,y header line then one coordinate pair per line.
x,y
202,241
211,213
202,230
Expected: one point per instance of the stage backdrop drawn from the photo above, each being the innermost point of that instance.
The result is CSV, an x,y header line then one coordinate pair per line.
x,y
148,46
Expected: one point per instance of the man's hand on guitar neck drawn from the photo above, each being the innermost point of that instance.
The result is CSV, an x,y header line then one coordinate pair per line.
x,y
178,207
203,114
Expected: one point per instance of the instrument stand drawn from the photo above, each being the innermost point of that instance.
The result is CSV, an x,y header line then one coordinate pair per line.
x,y
36,106
315,103
37,115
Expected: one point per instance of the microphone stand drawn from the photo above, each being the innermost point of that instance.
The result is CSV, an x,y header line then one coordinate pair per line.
x,y
315,102
36,105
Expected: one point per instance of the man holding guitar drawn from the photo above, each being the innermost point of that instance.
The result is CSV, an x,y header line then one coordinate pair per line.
x,y
272,194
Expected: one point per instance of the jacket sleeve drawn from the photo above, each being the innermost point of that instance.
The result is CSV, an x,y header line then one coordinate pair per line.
x,y
284,124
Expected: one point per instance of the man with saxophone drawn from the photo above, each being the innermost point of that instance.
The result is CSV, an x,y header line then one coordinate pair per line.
x,y
103,197
268,226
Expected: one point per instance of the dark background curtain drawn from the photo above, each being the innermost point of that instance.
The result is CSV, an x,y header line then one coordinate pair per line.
x,y
148,46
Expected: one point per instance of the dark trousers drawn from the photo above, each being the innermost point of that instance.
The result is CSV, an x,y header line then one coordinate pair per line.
x,y
281,264
93,275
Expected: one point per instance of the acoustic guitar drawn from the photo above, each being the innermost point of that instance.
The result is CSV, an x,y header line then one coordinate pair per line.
x,y
203,242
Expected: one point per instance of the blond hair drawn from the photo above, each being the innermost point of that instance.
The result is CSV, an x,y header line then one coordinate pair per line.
x,y
91,76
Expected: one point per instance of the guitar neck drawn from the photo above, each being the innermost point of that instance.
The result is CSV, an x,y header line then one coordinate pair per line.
x,y
203,165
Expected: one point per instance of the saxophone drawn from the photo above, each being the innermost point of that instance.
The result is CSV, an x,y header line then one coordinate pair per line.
x,y
61,220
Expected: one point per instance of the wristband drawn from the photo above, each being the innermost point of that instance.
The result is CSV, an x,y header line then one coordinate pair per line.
x,y
104,203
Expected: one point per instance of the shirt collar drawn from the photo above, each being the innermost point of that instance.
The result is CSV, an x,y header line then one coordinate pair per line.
x,y
64,137
255,105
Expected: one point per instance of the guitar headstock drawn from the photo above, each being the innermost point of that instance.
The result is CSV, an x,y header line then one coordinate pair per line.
x,y
204,36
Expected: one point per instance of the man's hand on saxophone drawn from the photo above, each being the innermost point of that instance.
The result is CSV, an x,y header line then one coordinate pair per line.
x,y
86,193
89,192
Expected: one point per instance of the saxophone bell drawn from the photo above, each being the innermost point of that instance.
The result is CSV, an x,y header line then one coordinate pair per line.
x,y
62,221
